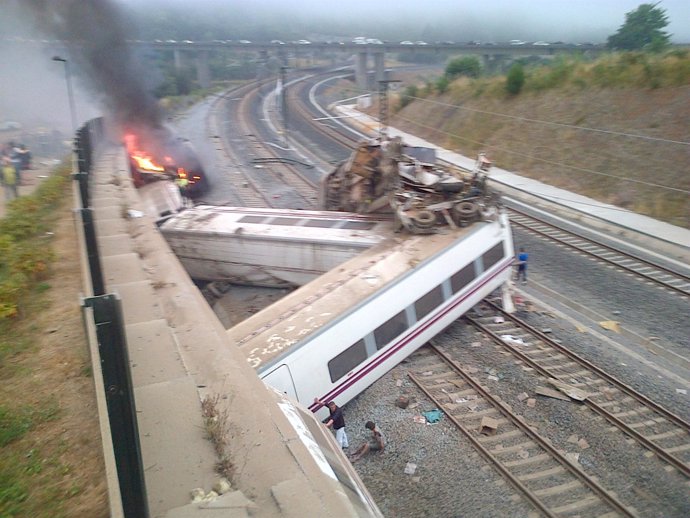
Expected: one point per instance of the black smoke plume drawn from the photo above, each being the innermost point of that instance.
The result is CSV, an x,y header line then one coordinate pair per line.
x,y
95,34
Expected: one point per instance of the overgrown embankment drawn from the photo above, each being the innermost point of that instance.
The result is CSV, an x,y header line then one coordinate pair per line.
x,y
50,452
615,129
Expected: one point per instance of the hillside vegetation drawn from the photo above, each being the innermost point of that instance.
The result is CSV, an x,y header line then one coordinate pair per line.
x,y
615,129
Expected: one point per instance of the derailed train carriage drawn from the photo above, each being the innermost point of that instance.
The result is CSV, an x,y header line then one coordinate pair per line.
x,y
343,329
335,336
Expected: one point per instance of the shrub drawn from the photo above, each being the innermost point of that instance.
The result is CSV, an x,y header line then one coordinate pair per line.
x,y
515,79
467,66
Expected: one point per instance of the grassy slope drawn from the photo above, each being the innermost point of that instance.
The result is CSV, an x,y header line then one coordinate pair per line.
x,y
563,156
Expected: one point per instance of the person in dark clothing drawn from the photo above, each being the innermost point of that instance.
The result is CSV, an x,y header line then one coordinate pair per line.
x,y
522,266
336,421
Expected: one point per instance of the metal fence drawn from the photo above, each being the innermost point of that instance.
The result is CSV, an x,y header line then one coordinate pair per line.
x,y
104,323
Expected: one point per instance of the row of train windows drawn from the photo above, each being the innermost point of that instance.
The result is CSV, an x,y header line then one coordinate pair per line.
x,y
399,323
304,222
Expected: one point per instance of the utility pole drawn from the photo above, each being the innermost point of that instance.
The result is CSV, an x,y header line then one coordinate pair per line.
x,y
383,107
283,101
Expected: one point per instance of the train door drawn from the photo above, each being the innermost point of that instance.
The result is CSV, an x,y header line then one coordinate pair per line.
x,y
280,378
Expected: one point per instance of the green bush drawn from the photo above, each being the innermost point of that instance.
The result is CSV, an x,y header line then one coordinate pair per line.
x,y
515,79
468,66
24,256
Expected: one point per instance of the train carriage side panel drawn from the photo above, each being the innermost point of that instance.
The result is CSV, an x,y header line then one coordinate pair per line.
x,y
342,341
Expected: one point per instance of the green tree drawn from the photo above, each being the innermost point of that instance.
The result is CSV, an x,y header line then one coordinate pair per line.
x,y
467,66
642,30
515,79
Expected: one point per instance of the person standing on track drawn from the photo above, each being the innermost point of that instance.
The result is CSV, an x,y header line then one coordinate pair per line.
x,y
522,266
336,421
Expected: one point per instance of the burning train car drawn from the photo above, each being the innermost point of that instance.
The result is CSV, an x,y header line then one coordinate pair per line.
x,y
168,159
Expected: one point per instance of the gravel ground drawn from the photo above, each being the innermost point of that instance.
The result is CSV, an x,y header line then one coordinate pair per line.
x,y
453,479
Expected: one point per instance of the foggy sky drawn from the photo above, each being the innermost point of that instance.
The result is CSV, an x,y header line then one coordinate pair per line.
x,y
33,90
490,20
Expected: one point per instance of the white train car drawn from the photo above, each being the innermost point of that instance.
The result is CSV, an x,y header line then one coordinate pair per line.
x,y
269,247
335,336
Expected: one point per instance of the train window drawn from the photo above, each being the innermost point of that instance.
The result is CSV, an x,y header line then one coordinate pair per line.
x,y
492,256
320,223
387,331
358,225
425,304
347,360
252,219
462,278
286,221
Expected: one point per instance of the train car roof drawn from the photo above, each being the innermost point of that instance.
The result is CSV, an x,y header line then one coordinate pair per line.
x,y
279,224
267,334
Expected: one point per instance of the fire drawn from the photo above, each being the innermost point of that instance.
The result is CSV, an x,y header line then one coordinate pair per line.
x,y
143,160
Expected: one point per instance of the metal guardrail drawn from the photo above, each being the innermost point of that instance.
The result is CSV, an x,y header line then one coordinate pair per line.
x,y
103,311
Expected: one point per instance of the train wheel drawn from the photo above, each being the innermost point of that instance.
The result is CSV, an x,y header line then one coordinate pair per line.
x,y
424,219
464,212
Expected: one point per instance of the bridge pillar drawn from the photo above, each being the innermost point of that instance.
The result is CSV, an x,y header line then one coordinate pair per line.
x,y
203,71
494,62
379,67
178,57
361,76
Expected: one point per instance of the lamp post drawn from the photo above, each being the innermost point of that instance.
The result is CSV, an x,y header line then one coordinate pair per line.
x,y
70,94
283,104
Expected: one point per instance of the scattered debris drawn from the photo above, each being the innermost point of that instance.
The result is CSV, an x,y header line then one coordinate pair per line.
x,y
546,330
488,426
572,439
611,325
681,391
523,454
522,396
476,344
399,383
222,486
492,377
499,320
419,419
572,392
510,339
531,402
581,329
433,416
402,402
545,391
583,444
131,213
616,312
410,468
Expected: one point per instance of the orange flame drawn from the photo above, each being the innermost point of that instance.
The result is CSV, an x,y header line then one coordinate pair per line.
x,y
143,160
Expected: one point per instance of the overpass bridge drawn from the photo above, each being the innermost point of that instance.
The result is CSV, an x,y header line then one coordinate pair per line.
x,y
492,55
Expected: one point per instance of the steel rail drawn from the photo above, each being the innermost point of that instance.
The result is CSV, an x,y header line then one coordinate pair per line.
x,y
607,248
600,491
629,391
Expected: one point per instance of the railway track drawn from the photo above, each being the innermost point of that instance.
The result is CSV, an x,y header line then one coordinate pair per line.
x,y
648,271
654,427
254,190
550,481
